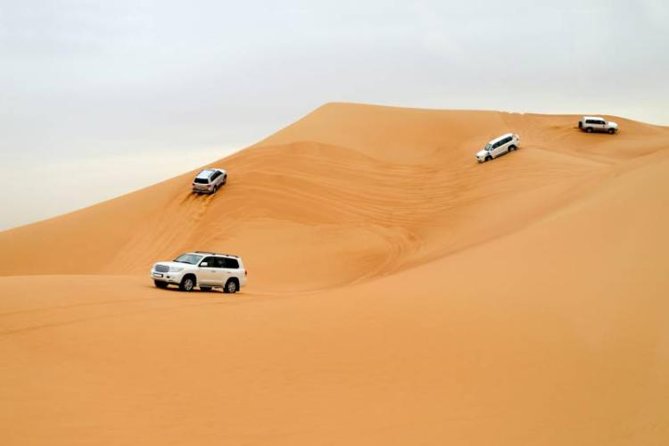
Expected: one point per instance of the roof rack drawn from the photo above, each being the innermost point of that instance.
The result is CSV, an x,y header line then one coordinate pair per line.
x,y
215,253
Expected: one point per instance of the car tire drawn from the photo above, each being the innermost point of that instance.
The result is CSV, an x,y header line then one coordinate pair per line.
x,y
231,286
187,283
588,130
488,158
205,288
512,147
611,131
160,284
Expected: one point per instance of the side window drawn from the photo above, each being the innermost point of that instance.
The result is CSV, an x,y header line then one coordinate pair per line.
x,y
219,262
602,122
215,175
231,263
209,261
507,139
589,121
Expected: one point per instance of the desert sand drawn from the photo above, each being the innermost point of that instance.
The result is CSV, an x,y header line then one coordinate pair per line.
x,y
399,293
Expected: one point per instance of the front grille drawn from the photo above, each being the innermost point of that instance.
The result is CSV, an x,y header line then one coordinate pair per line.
x,y
162,268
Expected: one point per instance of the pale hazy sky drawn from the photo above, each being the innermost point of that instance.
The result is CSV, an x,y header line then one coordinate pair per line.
x,y
101,87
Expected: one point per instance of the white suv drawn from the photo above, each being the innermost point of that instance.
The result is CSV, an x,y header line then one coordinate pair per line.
x,y
596,124
202,269
209,181
498,146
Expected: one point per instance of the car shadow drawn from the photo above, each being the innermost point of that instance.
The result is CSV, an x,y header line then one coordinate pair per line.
x,y
196,291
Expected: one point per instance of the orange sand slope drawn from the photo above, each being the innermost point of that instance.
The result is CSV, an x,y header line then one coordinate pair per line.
x,y
348,193
399,293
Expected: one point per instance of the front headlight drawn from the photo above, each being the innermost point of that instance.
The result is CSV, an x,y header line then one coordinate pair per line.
x,y
175,269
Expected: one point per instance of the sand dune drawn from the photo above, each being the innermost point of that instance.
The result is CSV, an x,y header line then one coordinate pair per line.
x,y
399,293
376,188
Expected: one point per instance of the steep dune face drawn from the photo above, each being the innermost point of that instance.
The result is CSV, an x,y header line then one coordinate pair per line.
x,y
347,193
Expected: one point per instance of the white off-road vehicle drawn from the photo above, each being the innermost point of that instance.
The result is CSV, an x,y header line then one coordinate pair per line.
x,y
597,124
498,146
205,270
209,181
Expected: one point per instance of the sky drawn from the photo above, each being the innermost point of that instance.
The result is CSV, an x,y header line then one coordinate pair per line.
x,y
98,98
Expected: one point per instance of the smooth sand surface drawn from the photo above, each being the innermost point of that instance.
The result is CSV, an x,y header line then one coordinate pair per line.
x,y
399,293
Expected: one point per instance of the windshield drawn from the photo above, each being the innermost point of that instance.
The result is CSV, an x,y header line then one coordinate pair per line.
x,y
487,147
188,258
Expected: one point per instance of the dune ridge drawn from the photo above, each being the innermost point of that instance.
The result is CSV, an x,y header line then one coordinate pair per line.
x,y
399,293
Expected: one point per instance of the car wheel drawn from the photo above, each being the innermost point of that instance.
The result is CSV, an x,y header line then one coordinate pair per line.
x,y
488,158
160,284
187,283
205,288
611,131
588,129
512,148
230,287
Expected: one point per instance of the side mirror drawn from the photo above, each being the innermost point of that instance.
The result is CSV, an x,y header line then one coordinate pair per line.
x,y
203,264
